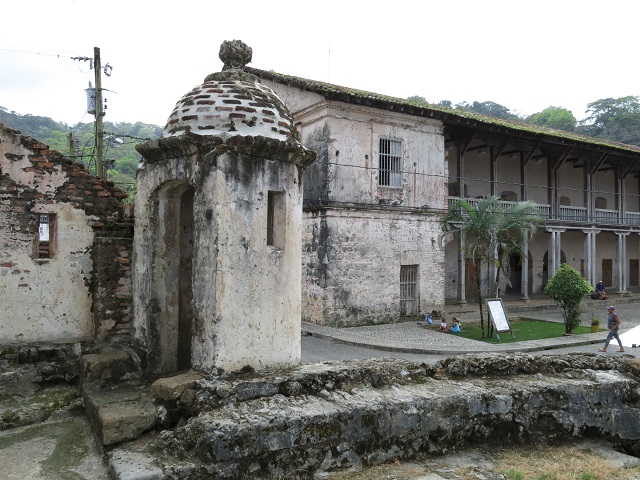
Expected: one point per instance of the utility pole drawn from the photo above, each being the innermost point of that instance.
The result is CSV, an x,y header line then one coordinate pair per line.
x,y
100,170
72,147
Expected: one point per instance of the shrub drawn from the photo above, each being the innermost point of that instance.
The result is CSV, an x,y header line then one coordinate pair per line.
x,y
567,288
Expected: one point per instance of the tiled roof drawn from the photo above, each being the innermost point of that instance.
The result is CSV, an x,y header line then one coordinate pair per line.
x,y
449,116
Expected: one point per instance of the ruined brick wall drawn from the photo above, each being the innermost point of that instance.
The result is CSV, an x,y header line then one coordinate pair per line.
x,y
52,291
112,291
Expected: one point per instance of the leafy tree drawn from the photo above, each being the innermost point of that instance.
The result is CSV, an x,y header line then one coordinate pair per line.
x,y
490,109
446,103
615,119
554,117
492,232
567,288
417,99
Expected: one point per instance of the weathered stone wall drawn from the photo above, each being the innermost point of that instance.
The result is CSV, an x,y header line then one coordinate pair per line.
x,y
354,241
54,299
246,292
319,418
352,259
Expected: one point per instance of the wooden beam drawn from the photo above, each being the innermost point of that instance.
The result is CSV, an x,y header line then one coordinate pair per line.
x,y
596,166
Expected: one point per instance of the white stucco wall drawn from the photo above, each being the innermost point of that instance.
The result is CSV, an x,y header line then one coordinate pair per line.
x,y
47,300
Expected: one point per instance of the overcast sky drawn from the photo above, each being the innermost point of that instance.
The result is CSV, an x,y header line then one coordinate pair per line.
x,y
523,55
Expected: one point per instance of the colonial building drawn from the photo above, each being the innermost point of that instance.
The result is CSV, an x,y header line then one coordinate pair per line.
x,y
64,262
389,167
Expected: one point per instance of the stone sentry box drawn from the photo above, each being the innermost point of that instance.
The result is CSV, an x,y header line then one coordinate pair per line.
x,y
217,259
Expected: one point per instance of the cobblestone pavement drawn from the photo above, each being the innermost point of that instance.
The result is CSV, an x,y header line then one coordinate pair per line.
x,y
415,337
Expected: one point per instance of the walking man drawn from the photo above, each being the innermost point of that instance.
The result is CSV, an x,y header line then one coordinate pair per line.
x,y
613,324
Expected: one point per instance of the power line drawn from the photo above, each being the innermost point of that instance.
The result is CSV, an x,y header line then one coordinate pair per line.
x,y
38,53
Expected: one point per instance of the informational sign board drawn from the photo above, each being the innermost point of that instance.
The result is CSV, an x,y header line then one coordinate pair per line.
x,y
499,316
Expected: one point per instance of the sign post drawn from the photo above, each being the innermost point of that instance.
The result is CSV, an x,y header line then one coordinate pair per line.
x,y
499,317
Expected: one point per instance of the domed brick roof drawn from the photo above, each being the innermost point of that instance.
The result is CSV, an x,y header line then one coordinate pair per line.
x,y
231,103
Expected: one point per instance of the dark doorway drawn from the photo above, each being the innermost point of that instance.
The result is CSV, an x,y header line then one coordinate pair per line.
x,y
409,290
471,272
607,272
515,276
634,278
185,314
173,270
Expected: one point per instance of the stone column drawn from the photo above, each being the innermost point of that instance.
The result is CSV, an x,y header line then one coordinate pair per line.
x,y
555,250
622,262
590,255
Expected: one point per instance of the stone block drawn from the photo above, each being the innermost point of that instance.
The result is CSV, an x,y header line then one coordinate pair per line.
x,y
171,388
107,366
120,414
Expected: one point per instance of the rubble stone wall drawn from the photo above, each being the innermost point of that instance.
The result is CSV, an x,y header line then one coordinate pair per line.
x,y
320,418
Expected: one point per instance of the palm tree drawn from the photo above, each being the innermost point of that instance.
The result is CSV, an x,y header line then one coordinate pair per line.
x,y
492,232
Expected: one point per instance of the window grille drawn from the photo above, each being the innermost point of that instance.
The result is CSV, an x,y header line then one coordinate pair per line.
x,y
390,163
408,290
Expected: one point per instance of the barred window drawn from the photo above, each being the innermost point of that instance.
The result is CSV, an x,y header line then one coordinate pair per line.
x,y
390,163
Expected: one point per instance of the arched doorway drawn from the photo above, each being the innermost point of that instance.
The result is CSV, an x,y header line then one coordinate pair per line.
x,y
174,275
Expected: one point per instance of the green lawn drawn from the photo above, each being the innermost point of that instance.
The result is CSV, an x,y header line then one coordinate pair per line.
x,y
523,328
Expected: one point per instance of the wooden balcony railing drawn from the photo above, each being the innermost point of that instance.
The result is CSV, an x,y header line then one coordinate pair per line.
x,y
575,214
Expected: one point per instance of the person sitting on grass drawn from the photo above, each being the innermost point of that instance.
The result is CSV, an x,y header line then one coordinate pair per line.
x,y
455,327
429,319
443,325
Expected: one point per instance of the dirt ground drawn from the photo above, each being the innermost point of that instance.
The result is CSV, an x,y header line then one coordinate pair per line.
x,y
582,460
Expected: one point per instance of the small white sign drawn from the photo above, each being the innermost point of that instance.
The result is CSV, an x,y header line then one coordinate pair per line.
x,y
498,315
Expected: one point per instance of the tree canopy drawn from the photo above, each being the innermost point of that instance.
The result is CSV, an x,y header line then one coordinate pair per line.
x,y
557,118
614,119
490,109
